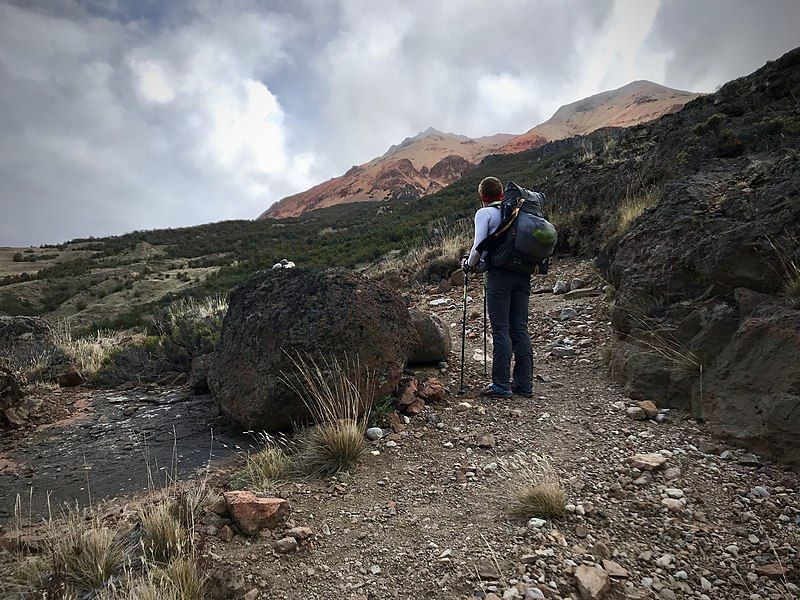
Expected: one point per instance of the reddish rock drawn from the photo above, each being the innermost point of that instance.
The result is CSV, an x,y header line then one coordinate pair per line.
x,y
395,422
774,570
409,393
69,377
650,409
252,514
416,407
432,391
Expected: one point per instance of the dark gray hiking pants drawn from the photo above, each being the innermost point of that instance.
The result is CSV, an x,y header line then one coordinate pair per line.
x,y
507,296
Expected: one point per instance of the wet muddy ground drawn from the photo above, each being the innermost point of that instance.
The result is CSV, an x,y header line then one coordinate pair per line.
x,y
112,444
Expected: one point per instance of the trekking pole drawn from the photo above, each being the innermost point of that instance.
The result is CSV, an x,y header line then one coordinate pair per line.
x,y
463,335
485,359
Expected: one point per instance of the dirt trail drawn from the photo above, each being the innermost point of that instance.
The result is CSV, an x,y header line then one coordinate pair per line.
x,y
108,440
427,517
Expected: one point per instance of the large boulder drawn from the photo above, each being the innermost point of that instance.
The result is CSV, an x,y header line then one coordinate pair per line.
x,y
434,338
322,314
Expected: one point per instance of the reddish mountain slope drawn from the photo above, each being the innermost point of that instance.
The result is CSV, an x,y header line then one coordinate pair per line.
x,y
417,166
635,103
429,161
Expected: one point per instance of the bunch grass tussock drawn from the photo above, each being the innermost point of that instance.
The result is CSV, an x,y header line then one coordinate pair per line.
x,y
164,537
85,552
339,398
537,491
633,206
265,468
88,353
788,254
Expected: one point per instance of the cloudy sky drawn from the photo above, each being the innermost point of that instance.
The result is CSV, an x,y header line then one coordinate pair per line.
x,y
118,115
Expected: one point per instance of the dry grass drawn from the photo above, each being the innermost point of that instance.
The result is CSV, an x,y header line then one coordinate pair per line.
x,y
789,272
88,353
197,310
183,576
338,397
538,491
84,551
265,469
164,537
633,206
447,243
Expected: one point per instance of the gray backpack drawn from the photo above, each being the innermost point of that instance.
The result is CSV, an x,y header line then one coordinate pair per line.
x,y
524,240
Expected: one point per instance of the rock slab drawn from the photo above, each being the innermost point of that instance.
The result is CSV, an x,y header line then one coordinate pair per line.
x,y
252,514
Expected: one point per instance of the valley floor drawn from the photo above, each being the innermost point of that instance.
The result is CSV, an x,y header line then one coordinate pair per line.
x,y
424,515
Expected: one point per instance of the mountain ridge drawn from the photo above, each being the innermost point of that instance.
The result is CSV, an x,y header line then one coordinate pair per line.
x,y
432,159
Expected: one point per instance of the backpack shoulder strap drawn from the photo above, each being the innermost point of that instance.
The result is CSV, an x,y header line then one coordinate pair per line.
x,y
494,237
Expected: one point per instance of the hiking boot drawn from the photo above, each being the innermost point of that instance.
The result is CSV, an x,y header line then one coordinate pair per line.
x,y
522,393
495,391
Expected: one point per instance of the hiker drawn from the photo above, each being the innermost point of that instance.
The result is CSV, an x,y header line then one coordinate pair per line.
x,y
509,258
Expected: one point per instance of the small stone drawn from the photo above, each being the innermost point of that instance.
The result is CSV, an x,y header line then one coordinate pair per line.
x,y
650,409
673,504
665,560
463,406
705,584
252,514
374,433
391,444
672,473
285,545
300,533
577,283
252,594
486,569
614,569
760,490
560,288
536,523
647,462
486,441
563,351
674,492
636,413
774,570
226,533
732,549
753,539
375,570
667,594
593,583
567,313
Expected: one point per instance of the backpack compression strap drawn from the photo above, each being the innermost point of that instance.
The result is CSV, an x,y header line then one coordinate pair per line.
x,y
494,237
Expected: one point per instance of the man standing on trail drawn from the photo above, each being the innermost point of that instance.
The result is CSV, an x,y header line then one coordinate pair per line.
x,y
507,295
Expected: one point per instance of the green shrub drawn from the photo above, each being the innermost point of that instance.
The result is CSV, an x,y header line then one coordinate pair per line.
x,y
728,145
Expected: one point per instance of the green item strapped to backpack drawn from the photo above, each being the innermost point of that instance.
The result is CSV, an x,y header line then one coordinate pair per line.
x,y
524,240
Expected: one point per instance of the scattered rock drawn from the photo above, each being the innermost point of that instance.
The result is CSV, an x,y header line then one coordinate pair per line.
x,y
567,313
614,569
300,533
650,409
486,441
636,413
774,570
374,433
560,288
285,545
432,391
593,582
647,462
252,514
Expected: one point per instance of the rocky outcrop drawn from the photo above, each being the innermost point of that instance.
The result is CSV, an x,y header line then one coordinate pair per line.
x,y
320,314
703,309
434,341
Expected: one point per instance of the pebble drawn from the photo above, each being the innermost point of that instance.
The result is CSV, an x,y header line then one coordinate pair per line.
x,y
374,433
536,523
567,313
665,560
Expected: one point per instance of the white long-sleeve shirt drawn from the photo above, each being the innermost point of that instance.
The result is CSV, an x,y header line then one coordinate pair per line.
x,y
487,219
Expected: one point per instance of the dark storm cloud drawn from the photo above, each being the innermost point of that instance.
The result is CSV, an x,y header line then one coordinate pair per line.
x,y
129,114
714,41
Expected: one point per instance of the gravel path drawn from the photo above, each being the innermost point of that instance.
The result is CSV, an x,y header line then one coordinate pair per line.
x,y
424,516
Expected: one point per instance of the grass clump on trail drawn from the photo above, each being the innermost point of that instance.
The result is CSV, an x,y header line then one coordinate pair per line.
x,y
265,469
539,492
338,397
